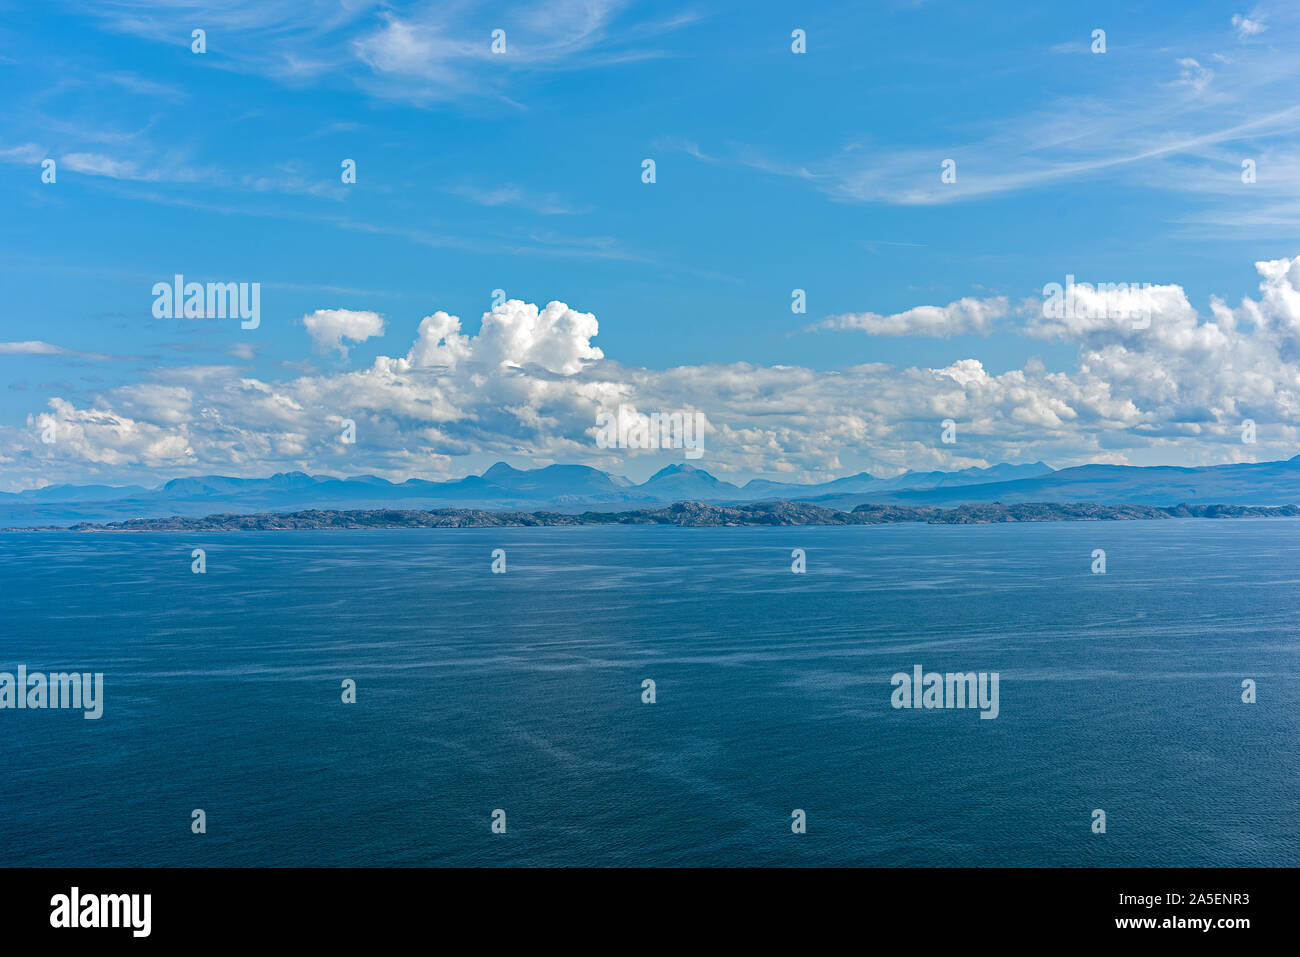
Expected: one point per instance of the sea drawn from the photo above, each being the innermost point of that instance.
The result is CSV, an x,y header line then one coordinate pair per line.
x,y
657,696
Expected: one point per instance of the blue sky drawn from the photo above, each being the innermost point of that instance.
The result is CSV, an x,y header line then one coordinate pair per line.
x,y
521,171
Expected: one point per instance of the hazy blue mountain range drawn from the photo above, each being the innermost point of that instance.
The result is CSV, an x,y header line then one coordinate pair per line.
x,y
1248,483
577,488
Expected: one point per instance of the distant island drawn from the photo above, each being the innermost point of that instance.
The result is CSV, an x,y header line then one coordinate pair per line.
x,y
683,514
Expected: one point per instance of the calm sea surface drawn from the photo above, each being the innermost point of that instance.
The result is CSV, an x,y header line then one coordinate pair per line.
x,y
523,692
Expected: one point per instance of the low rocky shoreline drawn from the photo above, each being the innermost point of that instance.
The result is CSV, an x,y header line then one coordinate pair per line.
x,y
686,514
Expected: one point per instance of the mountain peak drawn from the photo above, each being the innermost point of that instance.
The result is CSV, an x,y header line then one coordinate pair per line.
x,y
291,477
683,469
501,470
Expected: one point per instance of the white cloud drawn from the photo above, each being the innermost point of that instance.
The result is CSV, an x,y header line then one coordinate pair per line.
x,y
35,347
329,327
103,438
145,87
23,153
1248,26
1192,74
557,338
530,382
97,164
1115,311
31,347
547,204
421,52
966,316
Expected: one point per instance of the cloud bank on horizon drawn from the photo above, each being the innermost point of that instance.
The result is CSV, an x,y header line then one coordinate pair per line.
x,y
531,384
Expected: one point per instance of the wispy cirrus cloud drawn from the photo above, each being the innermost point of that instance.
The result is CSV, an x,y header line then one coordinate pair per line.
x,y
174,168
421,52
97,164
966,316
22,153
36,347
546,204
1155,116
141,86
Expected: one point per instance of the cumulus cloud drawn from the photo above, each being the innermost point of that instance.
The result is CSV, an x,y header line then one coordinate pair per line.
x,y
1118,311
1188,376
329,327
556,338
531,382
101,436
966,316
513,335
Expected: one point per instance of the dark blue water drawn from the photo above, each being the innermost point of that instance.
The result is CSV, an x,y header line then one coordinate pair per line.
x,y
523,692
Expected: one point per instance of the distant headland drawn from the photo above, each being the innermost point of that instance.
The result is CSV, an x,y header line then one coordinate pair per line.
x,y
683,514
